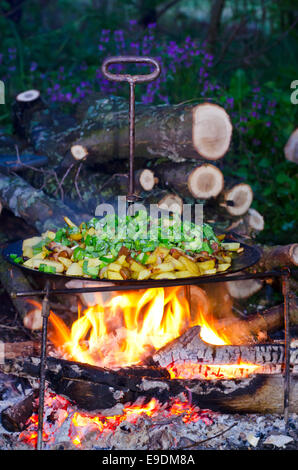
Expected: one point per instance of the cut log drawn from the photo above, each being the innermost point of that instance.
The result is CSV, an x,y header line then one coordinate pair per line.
x,y
256,326
244,289
188,179
249,225
237,199
34,206
178,132
24,106
165,201
291,147
278,255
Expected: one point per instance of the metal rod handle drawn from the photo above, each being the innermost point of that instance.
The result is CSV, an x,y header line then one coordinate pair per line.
x,y
132,80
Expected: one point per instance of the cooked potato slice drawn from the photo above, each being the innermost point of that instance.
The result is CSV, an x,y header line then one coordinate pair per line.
x,y
223,267
209,271
230,246
164,267
30,242
75,236
137,267
74,270
166,275
161,251
28,252
182,274
190,266
145,274
114,276
206,265
177,264
36,262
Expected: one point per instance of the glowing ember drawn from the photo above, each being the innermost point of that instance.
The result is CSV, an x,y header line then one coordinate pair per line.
x,y
211,372
81,424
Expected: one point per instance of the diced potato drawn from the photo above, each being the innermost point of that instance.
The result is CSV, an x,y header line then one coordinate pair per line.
x,y
93,262
114,267
227,258
151,259
231,246
223,267
145,274
74,270
114,276
121,260
137,267
190,266
166,275
65,261
31,242
182,274
206,265
164,267
69,222
91,231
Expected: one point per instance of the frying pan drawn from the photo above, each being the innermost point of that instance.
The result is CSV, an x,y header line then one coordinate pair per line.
x,y
244,260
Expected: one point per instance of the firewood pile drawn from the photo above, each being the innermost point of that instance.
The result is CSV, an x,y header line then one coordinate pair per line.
x,y
180,157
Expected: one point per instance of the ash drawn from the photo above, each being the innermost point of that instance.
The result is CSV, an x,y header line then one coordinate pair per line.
x,y
190,430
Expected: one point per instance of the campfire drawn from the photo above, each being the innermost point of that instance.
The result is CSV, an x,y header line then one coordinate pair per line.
x,y
128,328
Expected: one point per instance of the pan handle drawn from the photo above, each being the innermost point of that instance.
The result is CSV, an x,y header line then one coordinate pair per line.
x,y
127,77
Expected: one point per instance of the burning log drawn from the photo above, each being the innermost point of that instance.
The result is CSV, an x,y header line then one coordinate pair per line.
x,y
94,388
191,180
177,132
190,348
14,417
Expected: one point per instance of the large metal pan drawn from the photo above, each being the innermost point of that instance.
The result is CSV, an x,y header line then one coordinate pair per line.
x,y
244,260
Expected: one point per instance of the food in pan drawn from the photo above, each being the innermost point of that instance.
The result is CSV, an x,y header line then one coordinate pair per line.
x,y
96,250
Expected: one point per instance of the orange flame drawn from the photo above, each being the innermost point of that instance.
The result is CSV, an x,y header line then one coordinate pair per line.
x,y
128,327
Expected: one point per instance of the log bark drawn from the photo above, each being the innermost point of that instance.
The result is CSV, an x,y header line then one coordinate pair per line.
x,y
191,180
177,132
34,206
